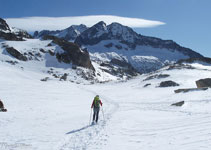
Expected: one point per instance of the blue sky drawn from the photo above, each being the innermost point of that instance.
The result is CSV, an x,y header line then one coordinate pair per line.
x,y
187,21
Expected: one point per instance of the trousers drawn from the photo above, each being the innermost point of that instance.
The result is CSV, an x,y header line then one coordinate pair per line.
x,y
96,113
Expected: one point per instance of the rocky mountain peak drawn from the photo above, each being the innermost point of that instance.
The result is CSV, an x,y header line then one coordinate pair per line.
x,y
12,34
100,26
3,25
121,32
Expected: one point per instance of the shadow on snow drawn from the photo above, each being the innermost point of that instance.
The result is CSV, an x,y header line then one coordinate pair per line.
x,y
78,130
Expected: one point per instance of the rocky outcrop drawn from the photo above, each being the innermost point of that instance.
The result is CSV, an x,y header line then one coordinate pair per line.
x,y
45,79
157,76
146,85
3,25
179,66
192,60
2,109
203,83
21,33
12,34
125,66
190,90
64,77
72,53
178,103
15,53
168,84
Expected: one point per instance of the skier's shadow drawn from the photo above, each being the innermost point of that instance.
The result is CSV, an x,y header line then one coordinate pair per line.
x,y
78,130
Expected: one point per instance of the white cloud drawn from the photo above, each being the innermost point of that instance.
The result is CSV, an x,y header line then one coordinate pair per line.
x,y
57,23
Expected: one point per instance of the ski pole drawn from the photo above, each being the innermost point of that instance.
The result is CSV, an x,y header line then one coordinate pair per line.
x,y
103,114
90,116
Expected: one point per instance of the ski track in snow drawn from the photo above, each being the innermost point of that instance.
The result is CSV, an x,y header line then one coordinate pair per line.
x,y
186,133
90,135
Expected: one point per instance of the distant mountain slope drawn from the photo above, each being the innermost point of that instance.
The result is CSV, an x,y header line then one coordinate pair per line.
x,y
144,53
106,43
125,35
68,34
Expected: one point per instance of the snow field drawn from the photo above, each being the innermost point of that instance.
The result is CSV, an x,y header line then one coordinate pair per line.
x,y
55,115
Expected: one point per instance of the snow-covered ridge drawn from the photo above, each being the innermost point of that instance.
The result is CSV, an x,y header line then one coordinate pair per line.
x,y
68,34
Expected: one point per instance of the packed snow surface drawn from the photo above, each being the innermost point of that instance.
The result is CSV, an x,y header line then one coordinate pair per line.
x,y
55,115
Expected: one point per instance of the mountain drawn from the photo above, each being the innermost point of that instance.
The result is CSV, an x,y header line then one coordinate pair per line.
x,y
115,44
125,35
143,53
18,48
68,34
108,52
12,33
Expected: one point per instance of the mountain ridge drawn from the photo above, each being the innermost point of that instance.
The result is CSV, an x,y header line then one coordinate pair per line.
x,y
110,52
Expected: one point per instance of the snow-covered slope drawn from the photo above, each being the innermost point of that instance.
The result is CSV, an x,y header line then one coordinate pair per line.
x,y
55,115
43,56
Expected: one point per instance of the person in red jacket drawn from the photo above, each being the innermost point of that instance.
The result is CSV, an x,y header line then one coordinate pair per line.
x,y
96,107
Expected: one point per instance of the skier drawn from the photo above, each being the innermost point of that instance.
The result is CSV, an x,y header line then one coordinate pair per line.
x,y
96,107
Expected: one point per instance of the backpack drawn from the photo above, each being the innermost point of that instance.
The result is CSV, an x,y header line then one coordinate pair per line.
x,y
96,102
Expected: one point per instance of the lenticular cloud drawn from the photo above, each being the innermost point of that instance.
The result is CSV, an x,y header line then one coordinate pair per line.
x,y
58,23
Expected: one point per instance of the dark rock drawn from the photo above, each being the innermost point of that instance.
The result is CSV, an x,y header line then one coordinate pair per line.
x,y
203,83
49,44
106,64
190,90
11,62
42,50
124,66
118,47
2,109
10,36
121,63
192,60
45,79
1,104
168,84
15,53
179,67
74,67
22,34
72,53
35,34
3,25
87,75
148,84
64,77
109,45
7,34
50,71
178,103
51,52
160,76
38,54
30,53
56,76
